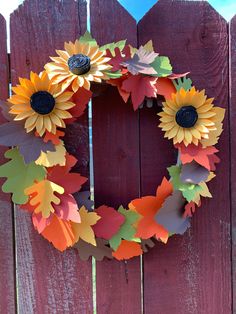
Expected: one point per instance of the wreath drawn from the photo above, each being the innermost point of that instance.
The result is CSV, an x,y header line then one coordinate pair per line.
x,y
39,173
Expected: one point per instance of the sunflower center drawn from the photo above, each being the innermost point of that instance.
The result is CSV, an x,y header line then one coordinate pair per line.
x,y
79,64
186,116
42,102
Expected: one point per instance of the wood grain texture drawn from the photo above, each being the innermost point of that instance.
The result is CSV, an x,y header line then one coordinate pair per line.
x,y
192,273
49,281
116,162
7,271
232,29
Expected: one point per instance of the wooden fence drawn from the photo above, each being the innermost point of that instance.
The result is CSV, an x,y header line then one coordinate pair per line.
x,y
193,274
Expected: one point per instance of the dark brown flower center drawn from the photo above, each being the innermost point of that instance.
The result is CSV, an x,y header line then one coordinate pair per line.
x,y
79,64
42,102
186,117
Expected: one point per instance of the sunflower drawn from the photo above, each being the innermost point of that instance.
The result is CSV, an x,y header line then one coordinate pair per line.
x,y
40,103
189,117
78,65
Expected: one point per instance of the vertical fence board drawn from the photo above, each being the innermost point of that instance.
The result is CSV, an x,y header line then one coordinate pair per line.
x,y
192,273
116,162
233,150
49,281
7,280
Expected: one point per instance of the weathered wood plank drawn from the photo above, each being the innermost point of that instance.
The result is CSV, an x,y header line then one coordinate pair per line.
x,y
233,150
116,162
7,272
49,281
192,273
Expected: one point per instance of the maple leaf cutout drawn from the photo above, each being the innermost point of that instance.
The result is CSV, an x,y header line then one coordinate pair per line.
x,y
59,232
203,156
84,230
120,56
148,206
127,250
42,196
140,87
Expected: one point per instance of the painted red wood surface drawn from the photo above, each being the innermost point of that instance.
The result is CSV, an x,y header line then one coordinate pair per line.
x,y
7,260
116,162
49,281
191,274
233,150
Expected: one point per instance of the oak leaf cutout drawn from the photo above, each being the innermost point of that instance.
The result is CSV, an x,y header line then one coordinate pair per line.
x,y
99,252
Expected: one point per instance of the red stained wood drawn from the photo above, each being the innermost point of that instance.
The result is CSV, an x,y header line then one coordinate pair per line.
x,y
49,281
192,273
233,150
7,271
116,162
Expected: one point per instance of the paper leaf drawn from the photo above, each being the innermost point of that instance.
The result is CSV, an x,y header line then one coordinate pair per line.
x,y
81,98
84,230
165,87
42,196
203,156
54,138
189,209
188,190
117,57
88,39
111,47
50,159
139,87
30,146
127,230
193,173
68,208
84,199
99,252
170,216
148,206
39,222
71,182
19,176
204,192
127,250
4,108
59,232
162,66
185,83
109,224
141,62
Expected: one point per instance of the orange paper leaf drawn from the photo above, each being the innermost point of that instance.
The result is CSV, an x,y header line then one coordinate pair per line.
x,y
127,250
165,87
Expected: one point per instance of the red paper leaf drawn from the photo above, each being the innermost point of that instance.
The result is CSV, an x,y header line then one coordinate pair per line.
x,y
67,209
165,87
81,98
71,182
203,156
140,87
190,209
118,83
127,250
109,224
54,138
119,57
39,222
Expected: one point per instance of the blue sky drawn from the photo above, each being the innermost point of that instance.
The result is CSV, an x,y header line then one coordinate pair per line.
x,y
137,8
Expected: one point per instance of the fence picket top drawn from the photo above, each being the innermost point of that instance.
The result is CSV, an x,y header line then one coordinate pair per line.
x,y
195,37
232,34
116,161
49,281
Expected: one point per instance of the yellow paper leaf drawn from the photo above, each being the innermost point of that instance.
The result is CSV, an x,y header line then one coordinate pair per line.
x,y
51,159
204,192
42,196
149,46
83,230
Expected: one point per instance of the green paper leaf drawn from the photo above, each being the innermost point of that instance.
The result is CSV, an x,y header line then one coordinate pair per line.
x,y
113,75
88,39
19,175
185,83
120,44
126,231
162,66
188,190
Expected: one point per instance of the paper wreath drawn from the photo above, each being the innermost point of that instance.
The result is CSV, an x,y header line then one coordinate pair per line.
x,y
39,171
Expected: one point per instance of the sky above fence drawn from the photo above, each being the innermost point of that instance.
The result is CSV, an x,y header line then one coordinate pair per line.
x,y
137,8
